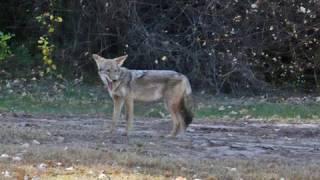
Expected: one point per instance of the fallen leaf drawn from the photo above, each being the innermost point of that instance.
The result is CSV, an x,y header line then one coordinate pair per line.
x,y
181,178
69,168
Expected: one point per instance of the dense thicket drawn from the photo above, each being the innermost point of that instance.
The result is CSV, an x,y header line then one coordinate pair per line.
x,y
223,45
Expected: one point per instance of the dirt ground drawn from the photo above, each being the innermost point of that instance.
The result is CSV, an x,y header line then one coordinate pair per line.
x,y
204,139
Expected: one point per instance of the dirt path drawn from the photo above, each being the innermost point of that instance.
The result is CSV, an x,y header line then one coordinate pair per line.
x,y
203,140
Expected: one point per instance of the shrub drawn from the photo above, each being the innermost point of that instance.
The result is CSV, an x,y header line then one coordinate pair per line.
x,y
4,47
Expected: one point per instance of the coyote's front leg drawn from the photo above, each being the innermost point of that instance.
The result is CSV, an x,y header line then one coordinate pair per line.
x,y
129,114
117,106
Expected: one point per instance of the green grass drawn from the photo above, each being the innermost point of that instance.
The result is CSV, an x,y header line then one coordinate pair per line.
x,y
48,98
66,99
264,110
39,105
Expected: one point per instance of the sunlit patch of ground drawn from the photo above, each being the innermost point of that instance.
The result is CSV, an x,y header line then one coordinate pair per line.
x,y
53,171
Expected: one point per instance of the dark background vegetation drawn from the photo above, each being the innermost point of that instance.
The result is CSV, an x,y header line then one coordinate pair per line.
x,y
223,46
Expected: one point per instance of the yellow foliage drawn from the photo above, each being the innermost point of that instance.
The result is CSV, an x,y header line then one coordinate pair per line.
x,y
51,30
48,21
59,19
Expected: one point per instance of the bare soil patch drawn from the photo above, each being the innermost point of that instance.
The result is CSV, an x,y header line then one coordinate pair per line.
x,y
205,140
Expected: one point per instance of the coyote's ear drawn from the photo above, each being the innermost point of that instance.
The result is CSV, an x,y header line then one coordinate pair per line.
x,y
98,59
120,60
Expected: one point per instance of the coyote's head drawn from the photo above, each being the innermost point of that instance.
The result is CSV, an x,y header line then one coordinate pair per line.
x,y
109,69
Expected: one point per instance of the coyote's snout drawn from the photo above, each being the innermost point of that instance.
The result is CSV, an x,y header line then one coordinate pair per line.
x,y
125,86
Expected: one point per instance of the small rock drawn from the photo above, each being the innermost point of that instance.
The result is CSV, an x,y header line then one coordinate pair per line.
x,y
287,138
35,142
4,156
233,112
6,173
25,145
42,166
8,85
49,133
243,111
254,6
226,117
276,129
16,158
190,130
221,108
102,176
16,81
233,169
60,139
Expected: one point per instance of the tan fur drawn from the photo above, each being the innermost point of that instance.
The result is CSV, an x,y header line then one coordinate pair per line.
x,y
125,86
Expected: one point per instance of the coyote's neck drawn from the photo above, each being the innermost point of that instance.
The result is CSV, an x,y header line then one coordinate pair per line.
x,y
125,77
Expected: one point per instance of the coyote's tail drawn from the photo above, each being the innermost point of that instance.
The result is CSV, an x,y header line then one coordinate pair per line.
x,y
187,104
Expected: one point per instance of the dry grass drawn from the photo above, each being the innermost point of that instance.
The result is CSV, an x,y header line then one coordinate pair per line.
x,y
78,172
89,164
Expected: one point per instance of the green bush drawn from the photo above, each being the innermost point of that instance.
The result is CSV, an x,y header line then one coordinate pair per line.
x,y
4,47
23,56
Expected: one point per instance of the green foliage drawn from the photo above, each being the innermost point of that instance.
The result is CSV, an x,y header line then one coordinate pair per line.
x,y
4,47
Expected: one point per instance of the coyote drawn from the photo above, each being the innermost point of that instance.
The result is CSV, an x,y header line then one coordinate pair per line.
x,y
125,86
